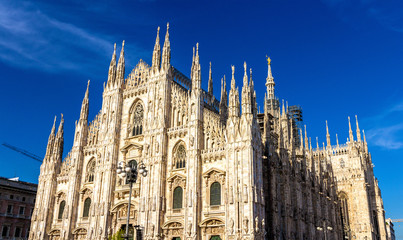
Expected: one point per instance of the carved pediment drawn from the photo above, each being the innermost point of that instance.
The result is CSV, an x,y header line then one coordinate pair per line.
x,y
132,150
80,231
172,225
177,180
214,175
211,222
54,232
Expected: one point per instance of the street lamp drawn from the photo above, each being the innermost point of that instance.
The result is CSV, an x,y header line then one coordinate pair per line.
x,y
129,172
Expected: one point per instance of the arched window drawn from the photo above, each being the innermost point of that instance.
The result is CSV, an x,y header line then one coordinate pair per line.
x,y
61,209
138,116
178,196
180,157
215,194
91,171
87,205
344,214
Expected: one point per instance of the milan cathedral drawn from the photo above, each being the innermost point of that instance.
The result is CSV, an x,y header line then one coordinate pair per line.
x,y
217,169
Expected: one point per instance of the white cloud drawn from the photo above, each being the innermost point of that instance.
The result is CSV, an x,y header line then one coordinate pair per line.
x,y
386,128
31,39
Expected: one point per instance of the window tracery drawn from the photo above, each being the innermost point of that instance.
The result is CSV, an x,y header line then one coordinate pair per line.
x,y
138,117
179,158
90,171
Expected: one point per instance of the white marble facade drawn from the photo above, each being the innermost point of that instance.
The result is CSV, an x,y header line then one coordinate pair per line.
x,y
218,169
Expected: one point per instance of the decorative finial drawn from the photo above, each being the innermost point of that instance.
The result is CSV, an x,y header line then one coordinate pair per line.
x,y
268,60
233,70
158,30
167,26
197,48
114,47
244,67
250,70
123,43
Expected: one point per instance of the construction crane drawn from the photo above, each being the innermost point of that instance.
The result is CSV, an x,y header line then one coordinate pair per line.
x,y
397,220
24,152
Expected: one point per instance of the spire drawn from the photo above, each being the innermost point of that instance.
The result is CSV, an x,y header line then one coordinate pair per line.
x,y
245,76
210,82
365,141
283,109
51,140
223,101
328,136
310,144
196,70
166,51
233,78
246,93
363,133
269,80
358,129
350,132
84,105
337,140
251,84
112,68
306,139
121,66
301,140
317,144
233,105
60,130
58,145
156,61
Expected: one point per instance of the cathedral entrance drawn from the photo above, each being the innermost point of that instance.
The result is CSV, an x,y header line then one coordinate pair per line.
x,y
215,237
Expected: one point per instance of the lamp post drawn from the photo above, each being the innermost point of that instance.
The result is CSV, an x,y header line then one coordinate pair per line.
x,y
129,172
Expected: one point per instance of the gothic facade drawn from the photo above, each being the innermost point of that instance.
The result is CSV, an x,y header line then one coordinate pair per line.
x,y
217,169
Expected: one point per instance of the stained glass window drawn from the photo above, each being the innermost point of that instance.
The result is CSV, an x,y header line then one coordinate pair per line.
x,y
215,194
87,205
178,196
61,209
138,120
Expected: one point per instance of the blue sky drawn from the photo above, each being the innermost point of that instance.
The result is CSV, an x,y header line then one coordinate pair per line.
x,y
335,58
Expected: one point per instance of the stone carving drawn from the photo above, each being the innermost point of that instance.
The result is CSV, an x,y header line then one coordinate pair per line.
x,y
231,226
189,229
245,225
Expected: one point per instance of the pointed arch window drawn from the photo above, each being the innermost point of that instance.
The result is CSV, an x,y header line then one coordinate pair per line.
x,y
344,214
138,117
90,171
61,209
87,205
177,198
180,157
215,194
